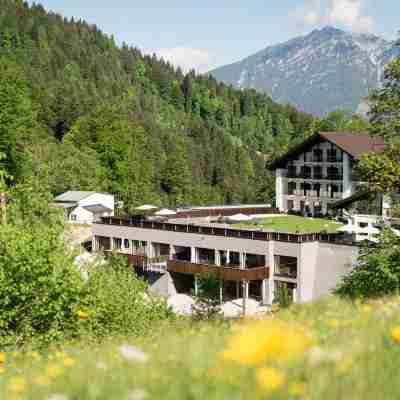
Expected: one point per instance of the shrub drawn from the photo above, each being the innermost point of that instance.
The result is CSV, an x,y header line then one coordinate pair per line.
x,y
42,296
378,269
116,301
207,303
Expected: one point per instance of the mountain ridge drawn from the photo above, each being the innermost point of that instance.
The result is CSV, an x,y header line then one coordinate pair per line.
x,y
320,72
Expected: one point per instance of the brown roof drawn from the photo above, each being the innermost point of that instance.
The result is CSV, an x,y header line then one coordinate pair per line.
x,y
354,144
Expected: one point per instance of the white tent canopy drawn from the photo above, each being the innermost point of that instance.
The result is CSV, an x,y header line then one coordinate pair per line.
x,y
165,212
146,207
239,218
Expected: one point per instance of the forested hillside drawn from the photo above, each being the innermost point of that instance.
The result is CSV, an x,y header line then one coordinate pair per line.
x,y
79,112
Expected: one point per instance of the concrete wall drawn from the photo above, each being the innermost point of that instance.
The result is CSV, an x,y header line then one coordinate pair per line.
x,y
306,271
333,262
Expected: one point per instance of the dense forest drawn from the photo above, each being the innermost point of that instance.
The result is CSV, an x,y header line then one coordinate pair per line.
x,y
79,112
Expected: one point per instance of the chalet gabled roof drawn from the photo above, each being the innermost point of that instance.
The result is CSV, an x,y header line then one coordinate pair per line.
x,y
72,196
354,144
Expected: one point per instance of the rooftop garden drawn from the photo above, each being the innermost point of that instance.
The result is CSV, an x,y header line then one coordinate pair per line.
x,y
292,224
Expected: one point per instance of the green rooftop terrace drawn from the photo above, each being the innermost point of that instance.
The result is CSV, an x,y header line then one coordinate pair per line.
x,y
292,224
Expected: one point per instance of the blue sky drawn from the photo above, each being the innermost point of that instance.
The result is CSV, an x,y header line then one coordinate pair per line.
x,y
204,34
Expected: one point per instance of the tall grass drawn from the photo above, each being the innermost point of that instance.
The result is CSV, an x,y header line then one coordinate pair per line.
x,y
350,351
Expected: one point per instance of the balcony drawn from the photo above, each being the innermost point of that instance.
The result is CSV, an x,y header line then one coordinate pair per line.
x,y
222,273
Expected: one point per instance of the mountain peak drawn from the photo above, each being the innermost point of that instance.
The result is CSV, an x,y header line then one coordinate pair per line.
x,y
326,70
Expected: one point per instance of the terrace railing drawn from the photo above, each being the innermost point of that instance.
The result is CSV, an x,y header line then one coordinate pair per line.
x,y
336,238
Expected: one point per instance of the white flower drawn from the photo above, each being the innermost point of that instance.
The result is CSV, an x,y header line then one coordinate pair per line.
x,y
318,356
133,353
57,396
138,394
101,365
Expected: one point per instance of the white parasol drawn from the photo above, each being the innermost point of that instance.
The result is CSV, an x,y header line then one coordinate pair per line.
x,y
146,207
165,212
239,218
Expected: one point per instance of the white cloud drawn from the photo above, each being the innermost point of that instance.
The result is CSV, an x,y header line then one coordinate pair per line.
x,y
308,14
348,14
188,58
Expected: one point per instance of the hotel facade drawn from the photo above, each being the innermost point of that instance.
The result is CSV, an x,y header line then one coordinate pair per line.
x,y
248,263
321,171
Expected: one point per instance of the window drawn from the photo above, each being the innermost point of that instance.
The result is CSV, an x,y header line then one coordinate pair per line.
x,y
117,243
317,155
73,217
292,171
126,243
332,155
292,188
317,188
333,173
317,172
306,172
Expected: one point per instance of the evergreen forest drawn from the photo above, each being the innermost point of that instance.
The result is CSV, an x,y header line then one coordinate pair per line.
x,y
80,112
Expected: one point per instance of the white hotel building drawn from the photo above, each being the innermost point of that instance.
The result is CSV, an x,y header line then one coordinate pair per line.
x,y
320,171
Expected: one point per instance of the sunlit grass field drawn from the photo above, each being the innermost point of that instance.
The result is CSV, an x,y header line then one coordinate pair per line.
x,y
293,224
329,350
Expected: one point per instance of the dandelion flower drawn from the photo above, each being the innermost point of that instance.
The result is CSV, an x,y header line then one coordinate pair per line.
x,y
3,358
82,315
69,362
333,323
396,334
266,340
53,370
297,389
35,355
269,379
17,385
131,353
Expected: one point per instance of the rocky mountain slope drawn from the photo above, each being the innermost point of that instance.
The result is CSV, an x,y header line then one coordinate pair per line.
x,y
318,73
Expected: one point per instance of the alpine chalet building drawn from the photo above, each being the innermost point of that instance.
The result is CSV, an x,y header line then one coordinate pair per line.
x,y
321,171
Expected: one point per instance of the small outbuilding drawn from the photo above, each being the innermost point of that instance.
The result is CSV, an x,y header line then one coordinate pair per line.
x,y
85,207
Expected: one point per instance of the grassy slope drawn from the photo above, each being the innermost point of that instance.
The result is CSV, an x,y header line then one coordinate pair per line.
x,y
293,224
353,356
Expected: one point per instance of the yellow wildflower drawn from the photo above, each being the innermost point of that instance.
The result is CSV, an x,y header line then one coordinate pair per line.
x,y
366,308
82,315
53,370
266,340
2,370
17,385
69,362
35,355
333,323
396,334
269,379
42,381
3,358
60,354
344,364
297,389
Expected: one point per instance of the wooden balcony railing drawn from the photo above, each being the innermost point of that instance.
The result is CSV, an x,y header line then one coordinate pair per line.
x,y
222,273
